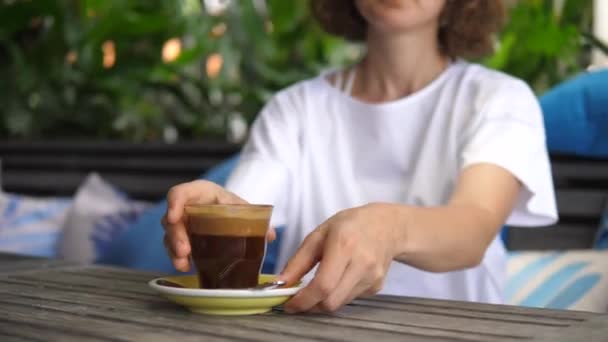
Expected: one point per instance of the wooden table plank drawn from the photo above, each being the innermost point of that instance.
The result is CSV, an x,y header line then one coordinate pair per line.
x,y
447,323
342,325
12,263
426,312
136,312
11,328
50,300
594,329
500,328
84,282
82,327
6,257
487,308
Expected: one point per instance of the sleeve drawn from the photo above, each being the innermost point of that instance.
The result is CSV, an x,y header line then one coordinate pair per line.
x,y
266,164
508,131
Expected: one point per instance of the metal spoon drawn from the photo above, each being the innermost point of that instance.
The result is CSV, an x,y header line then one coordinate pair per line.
x,y
169,283
269,285
264,286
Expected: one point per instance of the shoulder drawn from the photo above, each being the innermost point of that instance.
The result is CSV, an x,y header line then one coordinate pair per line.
x,y
493,93
293,105
486,83
298,103
301,93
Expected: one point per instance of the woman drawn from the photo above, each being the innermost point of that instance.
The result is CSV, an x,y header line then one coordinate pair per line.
x,y
396,174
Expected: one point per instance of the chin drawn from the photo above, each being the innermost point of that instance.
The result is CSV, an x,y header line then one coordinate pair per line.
x,y
391,26
392,16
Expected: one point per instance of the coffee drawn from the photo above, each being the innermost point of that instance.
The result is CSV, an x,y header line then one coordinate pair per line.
x,y
228,244
227,261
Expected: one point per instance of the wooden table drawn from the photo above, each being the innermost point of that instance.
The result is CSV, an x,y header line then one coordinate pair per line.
x,y
44,300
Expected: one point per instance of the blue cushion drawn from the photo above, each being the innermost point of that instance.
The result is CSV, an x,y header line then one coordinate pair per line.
x,y
576,115
141,246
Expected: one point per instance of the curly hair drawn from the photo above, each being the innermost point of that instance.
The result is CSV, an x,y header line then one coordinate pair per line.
x,y
467,27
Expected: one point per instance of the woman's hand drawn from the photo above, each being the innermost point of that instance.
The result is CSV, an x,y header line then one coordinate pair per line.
x,y
354,247
197,192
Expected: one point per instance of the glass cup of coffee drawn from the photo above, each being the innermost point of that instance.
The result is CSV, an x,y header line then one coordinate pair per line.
x,y
228,243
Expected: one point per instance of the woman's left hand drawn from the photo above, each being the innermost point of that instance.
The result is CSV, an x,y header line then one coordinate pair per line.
x,y
354,249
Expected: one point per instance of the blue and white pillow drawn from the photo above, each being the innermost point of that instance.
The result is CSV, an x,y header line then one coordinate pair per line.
x,y
573,280
30,225
100,213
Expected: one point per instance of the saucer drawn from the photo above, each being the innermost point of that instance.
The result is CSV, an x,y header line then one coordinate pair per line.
x,y
223,301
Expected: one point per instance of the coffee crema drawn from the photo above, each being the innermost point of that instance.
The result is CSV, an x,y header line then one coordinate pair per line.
x,y
228,244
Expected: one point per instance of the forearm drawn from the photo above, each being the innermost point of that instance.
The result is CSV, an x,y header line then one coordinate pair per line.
x,y
443,239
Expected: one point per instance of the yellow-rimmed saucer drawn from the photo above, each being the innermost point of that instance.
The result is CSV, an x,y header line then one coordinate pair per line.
x,y
223,301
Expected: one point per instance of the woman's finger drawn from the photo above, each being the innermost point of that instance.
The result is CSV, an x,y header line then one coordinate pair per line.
x,y
179,195
197,192
271,235
334,260
307,256
181,264
179,253
316,310
350,286
178,239
226,197
177,244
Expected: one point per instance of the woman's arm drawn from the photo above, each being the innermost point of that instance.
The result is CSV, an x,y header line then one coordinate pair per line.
x,y
355,247
457,235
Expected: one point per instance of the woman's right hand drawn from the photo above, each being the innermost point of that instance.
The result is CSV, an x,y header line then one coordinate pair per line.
x,y
196,192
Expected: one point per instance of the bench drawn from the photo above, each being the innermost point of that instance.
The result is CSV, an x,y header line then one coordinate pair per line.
x,y
147,171
582,196
143,171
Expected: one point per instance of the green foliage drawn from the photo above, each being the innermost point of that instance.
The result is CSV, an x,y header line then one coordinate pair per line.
x,y
44,95
54,83
543,44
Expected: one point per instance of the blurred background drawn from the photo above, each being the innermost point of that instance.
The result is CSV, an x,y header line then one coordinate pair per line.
x,y
160,70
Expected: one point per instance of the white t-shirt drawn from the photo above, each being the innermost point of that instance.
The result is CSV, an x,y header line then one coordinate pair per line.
x,y
315,150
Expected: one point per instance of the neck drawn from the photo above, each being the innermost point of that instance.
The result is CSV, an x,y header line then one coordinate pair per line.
x,y
398,65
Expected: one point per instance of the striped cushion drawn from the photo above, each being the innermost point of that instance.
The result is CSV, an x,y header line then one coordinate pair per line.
x,y
575,280
30,225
